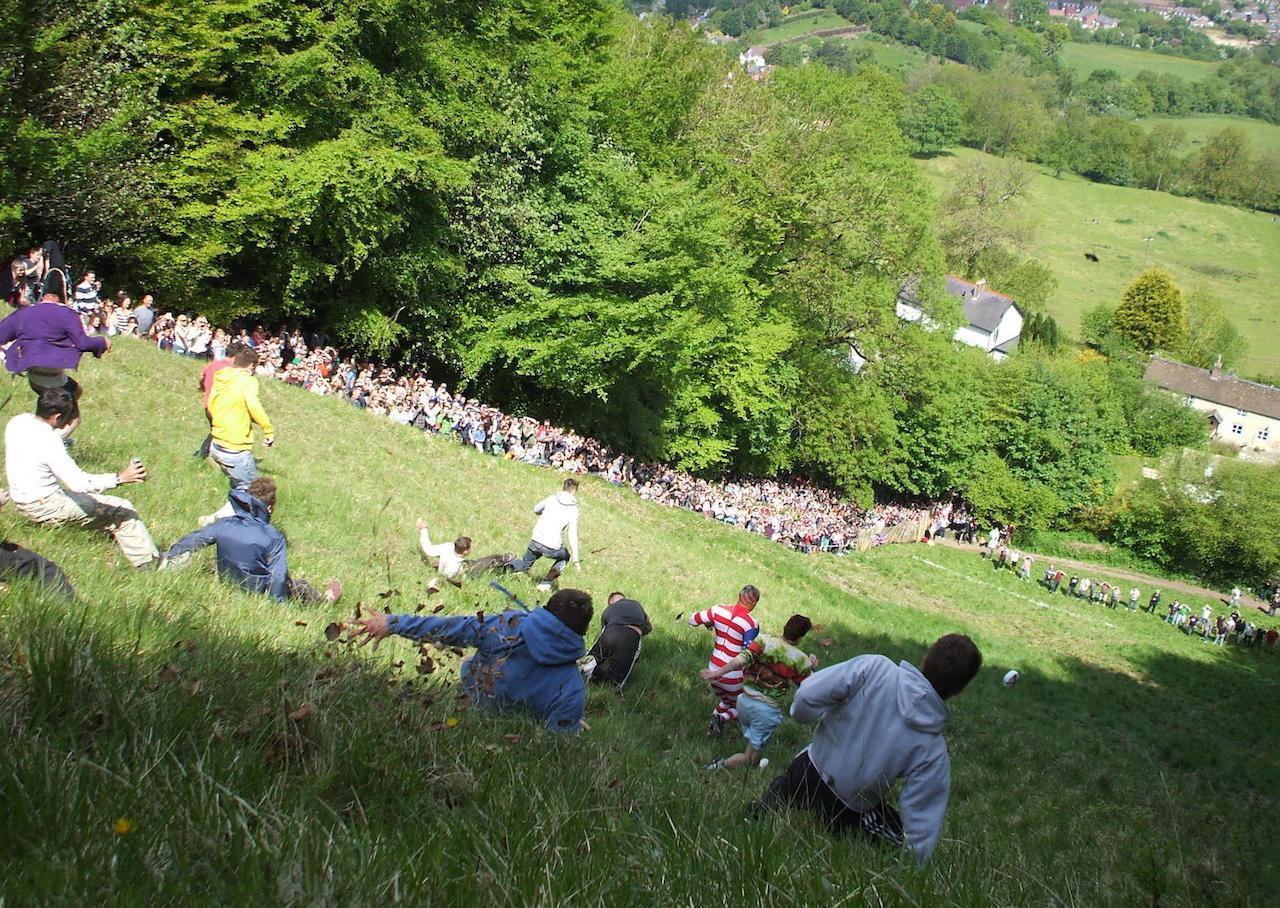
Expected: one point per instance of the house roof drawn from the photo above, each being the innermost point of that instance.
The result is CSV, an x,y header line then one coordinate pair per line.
x,y
1224,389
982,307
1007,347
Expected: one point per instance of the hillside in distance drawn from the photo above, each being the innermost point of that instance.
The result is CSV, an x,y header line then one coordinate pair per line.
x,y
157,744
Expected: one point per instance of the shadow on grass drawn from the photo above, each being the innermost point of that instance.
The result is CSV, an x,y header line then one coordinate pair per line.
x,y
243,771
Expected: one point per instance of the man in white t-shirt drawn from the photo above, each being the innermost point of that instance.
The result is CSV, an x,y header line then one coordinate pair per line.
x,y
451,557
47,487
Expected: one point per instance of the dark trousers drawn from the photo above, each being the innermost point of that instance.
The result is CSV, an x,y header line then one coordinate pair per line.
x,y
537,550
616,651
301,591
801,785
15,561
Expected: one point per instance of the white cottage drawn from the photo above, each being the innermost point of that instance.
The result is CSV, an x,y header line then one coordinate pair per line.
x,y
994,321
1242,413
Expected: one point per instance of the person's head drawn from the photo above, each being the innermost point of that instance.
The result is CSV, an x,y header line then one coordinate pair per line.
x,y
795,628
148,300
748,597
571,486
951,663
462,545
89,277
246,358
573,607
615,596
264,489
56,406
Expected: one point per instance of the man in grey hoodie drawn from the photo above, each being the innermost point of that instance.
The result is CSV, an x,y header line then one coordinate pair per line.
x,y
877,723
557,514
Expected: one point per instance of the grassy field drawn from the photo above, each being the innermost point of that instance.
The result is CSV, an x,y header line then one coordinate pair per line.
x,y
796,26
1229,251
889,54
171,740
1084,58
1262,136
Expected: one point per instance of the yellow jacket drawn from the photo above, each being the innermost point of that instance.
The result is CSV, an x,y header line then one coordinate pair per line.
x,y
234,408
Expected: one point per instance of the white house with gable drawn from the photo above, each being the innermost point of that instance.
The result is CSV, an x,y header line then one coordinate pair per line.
x,y
993,320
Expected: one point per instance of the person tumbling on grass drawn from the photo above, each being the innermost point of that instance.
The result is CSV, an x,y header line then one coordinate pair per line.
x,y
878,723
524,659
771,667
452,562
734,630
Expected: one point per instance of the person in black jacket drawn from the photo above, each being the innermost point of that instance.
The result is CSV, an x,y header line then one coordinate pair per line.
x,y
622,628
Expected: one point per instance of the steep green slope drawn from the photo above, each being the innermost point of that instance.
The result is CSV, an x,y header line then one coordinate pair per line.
x,y
150,756
1227,250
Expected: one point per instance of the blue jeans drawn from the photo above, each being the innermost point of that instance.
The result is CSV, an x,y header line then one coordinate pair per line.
x,y
537,550
240,467
758,720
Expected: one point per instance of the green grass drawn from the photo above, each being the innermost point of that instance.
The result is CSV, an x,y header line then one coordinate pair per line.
x,y
1131,764
1084,58
797,26
1229,251
890,54
1263,136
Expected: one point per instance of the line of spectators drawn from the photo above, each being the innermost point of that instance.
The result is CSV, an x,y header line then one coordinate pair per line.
x,y
801,516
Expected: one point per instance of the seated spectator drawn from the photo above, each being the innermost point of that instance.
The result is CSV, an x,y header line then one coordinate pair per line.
x,y
48,487
250,551
524,659
617,650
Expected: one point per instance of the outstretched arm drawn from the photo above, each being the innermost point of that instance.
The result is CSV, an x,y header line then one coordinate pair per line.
x,y
193,541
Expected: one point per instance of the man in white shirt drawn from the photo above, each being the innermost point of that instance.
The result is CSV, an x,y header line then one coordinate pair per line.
x,y
556,514
47,486
451,557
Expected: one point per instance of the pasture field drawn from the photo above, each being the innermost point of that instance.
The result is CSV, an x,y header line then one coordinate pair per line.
x,y
1229,251
796,26
1263,136
171,740
1084,58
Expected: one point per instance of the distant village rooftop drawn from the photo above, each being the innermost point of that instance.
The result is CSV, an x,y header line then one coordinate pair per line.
x,y
1215,386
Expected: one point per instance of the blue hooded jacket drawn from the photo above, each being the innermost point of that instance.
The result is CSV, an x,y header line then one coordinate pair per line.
x,y
251,551
525,659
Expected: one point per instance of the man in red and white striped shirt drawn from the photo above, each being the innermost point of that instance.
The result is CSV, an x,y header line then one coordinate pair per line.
x,y
734,629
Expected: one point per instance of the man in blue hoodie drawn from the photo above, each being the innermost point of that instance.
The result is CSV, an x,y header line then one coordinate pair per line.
x,y
251,552
878,722
524,659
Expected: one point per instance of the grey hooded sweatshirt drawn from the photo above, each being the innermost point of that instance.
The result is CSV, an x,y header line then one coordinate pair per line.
x,y
881,722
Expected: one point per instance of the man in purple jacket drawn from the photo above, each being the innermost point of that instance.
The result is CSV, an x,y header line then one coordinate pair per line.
x,y
46,340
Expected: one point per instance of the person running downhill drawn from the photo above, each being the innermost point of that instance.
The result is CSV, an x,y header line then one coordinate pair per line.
x,y
734,630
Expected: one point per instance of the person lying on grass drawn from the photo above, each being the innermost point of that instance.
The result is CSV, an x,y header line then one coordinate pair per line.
x,y
878,722
617,650
17,562
452,561
251,552
771,667
524,659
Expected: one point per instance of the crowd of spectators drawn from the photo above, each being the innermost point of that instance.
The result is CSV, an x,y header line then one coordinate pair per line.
x,y
799,515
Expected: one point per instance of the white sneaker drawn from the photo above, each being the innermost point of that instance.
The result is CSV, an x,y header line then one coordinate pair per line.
x,y
544,587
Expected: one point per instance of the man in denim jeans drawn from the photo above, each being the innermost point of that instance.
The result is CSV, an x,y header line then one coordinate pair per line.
x,y
234,409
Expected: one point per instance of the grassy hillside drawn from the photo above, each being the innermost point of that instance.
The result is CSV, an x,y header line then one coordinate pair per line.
x,y
796,26
150,755
1263,136
1084,58
1228,250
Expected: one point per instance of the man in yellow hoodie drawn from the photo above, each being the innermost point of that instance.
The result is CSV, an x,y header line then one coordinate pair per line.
x,y
234,409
